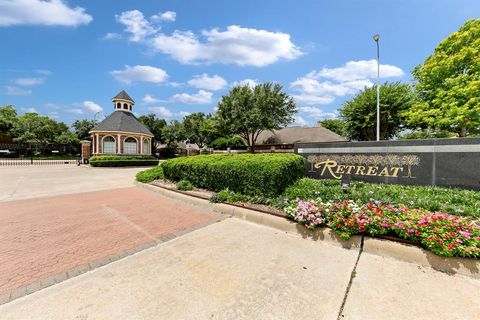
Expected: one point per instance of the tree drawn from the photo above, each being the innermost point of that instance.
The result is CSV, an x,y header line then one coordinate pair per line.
x,y
360,113
8,118
154,124
41,129
173,133
335,125
448,84
248,111
192,124
83,127
210,130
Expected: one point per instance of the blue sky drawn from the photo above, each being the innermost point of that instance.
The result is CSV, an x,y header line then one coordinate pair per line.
x,y
67,59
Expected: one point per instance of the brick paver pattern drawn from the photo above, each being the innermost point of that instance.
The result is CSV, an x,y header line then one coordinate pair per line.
x,y
42,237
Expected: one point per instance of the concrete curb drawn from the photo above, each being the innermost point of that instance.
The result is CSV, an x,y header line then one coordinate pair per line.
x,y
380,247
65,275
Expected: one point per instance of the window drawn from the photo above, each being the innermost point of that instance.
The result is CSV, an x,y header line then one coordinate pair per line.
x,y
130,146
119,105
125,106
145,146
109,145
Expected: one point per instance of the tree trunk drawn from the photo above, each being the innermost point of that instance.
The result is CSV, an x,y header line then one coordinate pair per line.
x,y
462,133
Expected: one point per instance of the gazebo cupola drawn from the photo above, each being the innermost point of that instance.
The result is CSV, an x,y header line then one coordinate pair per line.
x,y
122,101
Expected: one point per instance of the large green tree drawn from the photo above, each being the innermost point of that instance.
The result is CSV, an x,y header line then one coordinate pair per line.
x,y
173,133
360,113
40,129
8,118
192,124
247,111
448,84
154,124
83,127
335,125
210,130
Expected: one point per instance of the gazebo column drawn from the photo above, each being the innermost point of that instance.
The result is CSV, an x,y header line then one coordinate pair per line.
x,y
97,145
141,145
118,143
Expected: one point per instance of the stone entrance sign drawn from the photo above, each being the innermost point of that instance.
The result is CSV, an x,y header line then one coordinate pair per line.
x,y
438,162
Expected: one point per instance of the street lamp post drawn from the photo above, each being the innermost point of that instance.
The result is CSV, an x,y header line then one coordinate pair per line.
x,y
377,38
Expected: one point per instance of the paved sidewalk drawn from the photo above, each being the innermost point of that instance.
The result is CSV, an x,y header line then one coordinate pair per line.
x,y
64,235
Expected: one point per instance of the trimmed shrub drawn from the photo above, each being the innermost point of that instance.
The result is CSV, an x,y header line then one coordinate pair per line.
x,y
250,174
150,175
184,185
453,201
122,161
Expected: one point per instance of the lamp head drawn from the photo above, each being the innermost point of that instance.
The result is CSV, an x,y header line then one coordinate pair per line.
x,y
376,37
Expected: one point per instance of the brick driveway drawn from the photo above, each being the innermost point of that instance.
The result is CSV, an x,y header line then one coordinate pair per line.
x,y
45,240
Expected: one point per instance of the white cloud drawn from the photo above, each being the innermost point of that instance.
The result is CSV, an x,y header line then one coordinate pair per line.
x,y
203,81
324,86
184,113
38,12
165,16
112,36
91,106
249,82
161,111
299,121
355,70
44,72
28,81
201,97
140,73
29,110
150,99
136,24
316,113
235,45
16,91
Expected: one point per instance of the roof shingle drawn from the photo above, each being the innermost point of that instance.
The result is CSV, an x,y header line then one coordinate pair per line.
x,y
122,121
123,95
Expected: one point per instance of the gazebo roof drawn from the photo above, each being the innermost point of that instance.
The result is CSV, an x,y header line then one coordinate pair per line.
x,y
123,121
123,95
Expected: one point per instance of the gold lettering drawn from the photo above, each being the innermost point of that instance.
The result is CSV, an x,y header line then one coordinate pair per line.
x,y
395,171
384,172
360,170
328,165
349,169
340,168
372,171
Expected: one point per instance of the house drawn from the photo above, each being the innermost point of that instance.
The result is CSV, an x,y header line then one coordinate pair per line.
x,y
285,138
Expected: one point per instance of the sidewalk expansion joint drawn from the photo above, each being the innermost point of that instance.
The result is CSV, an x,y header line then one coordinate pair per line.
x,y
353,274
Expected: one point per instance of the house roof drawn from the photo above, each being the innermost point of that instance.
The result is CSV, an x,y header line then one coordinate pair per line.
x,y
123,95
122,121
291,135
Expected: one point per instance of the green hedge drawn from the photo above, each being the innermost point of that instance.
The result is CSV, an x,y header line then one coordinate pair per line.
x,y
450,200
251,174
150,175
123,161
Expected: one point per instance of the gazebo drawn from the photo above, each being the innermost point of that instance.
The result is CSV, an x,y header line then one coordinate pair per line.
x,y
121,133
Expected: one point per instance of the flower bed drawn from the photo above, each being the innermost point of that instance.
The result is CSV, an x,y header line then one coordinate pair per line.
x,y
441,233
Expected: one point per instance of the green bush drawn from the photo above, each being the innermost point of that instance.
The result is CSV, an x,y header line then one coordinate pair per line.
x,y
150,175
250,174
184,185
449,200
122,161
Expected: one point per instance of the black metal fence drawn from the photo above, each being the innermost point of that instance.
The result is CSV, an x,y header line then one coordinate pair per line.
x,y
5,162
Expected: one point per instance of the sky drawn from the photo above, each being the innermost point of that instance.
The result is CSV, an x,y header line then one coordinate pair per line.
x,y
67,59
